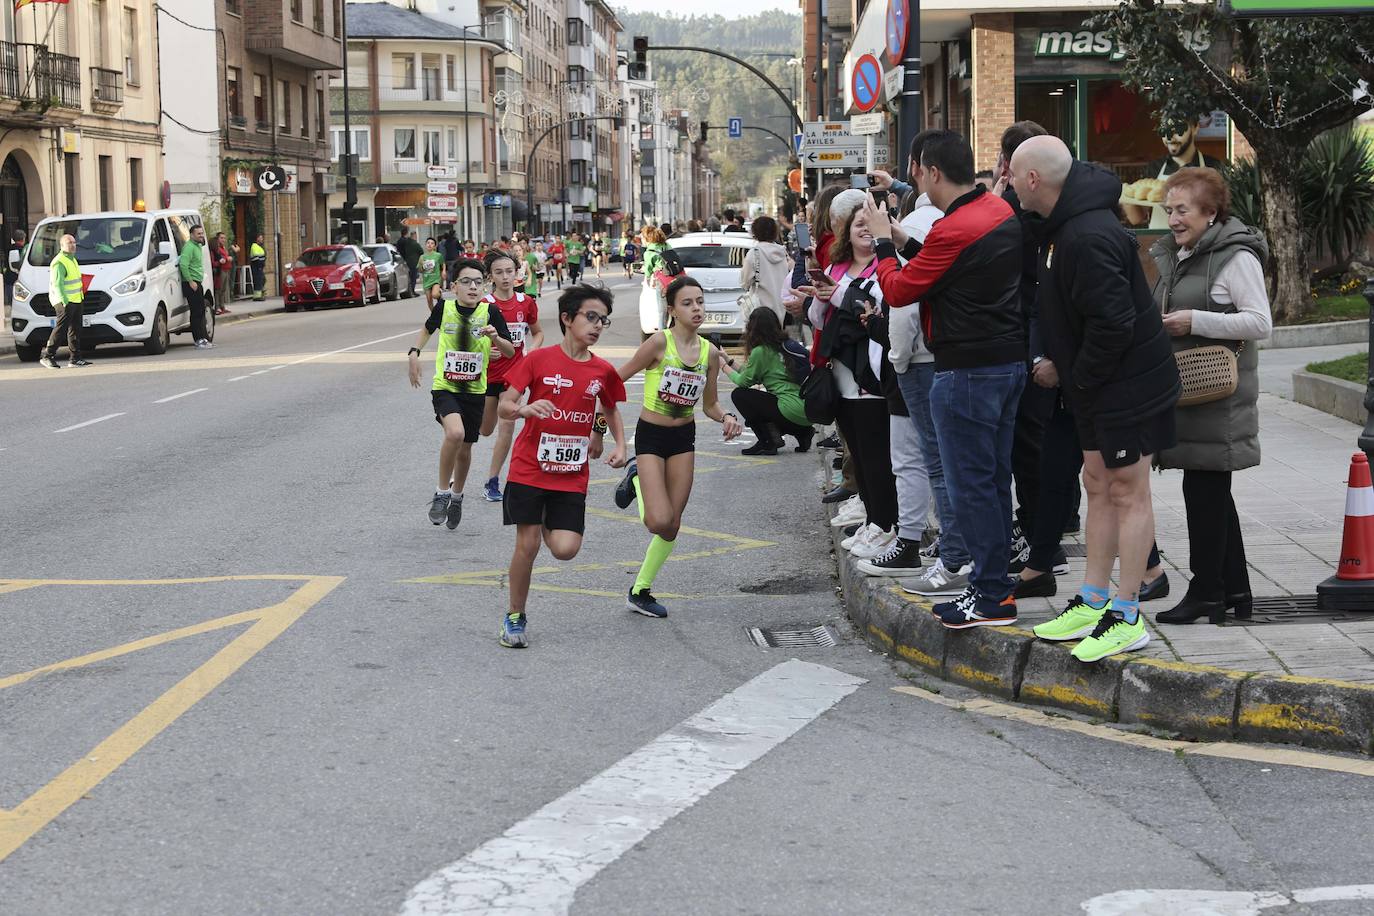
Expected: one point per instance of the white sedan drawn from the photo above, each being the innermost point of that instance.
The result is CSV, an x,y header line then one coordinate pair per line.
x,y
714,259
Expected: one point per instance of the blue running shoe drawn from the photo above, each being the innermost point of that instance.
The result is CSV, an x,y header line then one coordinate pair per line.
x,y
644,603
625,490
513,632
492,493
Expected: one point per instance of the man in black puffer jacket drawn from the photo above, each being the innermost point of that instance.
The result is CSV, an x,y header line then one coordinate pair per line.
x,y
1115,365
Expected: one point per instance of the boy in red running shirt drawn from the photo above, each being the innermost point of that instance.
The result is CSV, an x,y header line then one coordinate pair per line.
x,y
556,254
522,320
546,493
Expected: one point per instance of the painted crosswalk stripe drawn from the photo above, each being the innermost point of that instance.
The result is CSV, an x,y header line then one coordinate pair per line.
x,y
184,394
108,416
537,866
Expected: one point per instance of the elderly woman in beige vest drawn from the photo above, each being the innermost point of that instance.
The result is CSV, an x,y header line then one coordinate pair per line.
x,y
1211,290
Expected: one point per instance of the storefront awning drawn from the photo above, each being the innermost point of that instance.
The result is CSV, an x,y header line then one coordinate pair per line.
x,y
400,197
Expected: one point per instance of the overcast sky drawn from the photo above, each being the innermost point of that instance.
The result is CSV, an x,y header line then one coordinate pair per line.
x,y
731,9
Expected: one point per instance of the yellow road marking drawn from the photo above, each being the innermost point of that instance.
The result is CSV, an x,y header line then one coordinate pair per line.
x,y
1227,749
19,824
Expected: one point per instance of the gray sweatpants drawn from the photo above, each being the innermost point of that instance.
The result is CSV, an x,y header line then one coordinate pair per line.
x,y
913,486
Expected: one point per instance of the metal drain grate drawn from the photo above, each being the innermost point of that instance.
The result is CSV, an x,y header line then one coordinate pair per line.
x,y
1075,550
1297,609
815,638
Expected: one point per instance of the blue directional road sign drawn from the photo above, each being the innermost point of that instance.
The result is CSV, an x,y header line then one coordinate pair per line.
x,y
735,128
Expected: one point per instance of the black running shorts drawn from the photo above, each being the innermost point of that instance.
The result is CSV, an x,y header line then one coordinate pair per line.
x,y
469,407
664,441
1123,446
554,509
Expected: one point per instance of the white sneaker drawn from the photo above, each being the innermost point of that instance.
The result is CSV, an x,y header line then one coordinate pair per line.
x,y
849,542
939,581
204,345
873,546
851,511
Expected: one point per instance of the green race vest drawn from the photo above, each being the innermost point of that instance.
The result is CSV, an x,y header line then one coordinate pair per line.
x,y
64,279
455,337
674,388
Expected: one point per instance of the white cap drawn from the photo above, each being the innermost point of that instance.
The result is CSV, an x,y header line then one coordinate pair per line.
x,y
845,203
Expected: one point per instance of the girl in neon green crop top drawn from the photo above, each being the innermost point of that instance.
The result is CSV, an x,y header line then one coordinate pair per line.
x,y
680,370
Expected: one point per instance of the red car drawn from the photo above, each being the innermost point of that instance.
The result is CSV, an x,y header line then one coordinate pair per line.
x,y
331,274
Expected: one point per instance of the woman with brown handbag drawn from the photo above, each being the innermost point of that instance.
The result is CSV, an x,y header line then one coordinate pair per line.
x,y
1212,292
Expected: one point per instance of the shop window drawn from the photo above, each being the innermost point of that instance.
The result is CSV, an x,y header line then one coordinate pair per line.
x,y
1053,105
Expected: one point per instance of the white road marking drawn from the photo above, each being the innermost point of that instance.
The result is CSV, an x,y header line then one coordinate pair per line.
x,y
537,866
1214,903
265,371
347,349
184,394
239,378
108,416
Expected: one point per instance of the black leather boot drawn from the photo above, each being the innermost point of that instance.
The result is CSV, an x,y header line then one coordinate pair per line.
x,y
1190,609
1243,603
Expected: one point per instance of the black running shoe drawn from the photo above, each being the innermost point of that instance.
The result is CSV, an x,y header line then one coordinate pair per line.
x,y
1042,586
837,495
804,441
455,511
438,509
644,603
760,448
625,490
830,441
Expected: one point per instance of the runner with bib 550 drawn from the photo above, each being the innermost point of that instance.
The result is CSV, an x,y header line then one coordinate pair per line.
x,y
469,329
680,370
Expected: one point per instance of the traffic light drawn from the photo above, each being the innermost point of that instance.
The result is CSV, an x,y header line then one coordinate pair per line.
x,y
638,68
701,136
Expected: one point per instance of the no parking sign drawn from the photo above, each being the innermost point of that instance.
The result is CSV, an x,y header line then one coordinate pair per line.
x,y
898,17
866,82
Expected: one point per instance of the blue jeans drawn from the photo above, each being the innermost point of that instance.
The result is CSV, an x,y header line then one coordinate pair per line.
x,y
915,385
975,415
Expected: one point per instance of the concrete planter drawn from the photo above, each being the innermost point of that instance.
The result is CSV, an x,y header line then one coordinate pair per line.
x,y
1318,335
1330,395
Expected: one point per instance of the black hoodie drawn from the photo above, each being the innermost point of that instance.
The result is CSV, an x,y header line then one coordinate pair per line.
x,y
1101,326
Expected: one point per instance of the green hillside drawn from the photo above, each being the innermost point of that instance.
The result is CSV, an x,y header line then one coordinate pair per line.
x,y
748,166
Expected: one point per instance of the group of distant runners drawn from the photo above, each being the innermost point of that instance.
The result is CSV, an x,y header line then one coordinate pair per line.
x,y
491,368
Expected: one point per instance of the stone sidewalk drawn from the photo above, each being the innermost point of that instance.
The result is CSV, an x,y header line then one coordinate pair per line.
x,y
1292,509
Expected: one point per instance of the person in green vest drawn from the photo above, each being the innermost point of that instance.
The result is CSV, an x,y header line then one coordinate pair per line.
x,y
432,272
257,260
65,294
192,266
469,329
576,249
532,269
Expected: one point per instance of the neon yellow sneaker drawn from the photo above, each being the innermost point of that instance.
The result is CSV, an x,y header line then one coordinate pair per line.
x,y
1077,620
1112,636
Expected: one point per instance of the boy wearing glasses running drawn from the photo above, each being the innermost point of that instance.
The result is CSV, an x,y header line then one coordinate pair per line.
x,y
469,329
546,492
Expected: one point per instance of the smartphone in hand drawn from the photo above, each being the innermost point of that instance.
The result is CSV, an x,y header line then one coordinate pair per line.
x,y
803,236
818,276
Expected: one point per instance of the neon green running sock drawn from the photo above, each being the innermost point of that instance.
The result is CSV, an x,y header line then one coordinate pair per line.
x,y
654,558
639,501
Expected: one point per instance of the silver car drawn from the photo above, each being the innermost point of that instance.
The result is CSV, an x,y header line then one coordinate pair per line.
x,y
392,272
715,260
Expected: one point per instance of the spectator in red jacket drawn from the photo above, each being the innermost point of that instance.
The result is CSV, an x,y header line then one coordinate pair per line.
x,y
967,279
222,264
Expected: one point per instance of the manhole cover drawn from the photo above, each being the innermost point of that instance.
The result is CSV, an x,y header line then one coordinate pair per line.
x,y
1297,609
814,638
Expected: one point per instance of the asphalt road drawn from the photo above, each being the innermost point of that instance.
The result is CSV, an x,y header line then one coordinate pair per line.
x,y
327,740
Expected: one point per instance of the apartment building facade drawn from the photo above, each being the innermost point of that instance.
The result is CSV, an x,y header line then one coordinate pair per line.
x,y
79,110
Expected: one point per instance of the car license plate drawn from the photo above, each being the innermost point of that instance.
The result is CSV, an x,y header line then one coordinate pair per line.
x,y
719,317
337,286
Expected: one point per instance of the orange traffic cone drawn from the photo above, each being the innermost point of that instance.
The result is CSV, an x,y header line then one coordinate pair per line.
x,y
1352,587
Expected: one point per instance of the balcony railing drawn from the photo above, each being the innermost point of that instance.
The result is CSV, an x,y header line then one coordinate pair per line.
x,y
418,167
432,93
32,73
107,86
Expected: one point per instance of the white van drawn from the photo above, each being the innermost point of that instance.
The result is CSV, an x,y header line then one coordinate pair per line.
x,y
133,287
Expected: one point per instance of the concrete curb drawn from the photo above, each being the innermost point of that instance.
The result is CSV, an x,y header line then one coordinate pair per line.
x,y
1335,396
1194,701
1317,335
7,344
